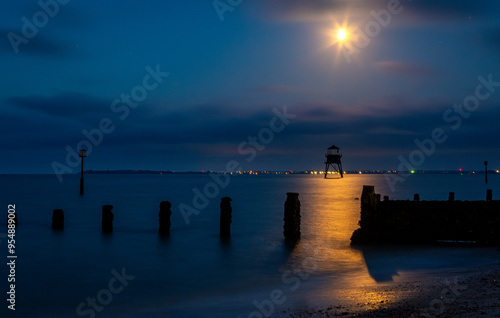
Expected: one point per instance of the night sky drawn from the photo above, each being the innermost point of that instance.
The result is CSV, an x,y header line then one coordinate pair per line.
x,y
207,75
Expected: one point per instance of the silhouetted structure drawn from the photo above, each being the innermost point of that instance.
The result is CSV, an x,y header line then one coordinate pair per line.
x,y
486,172
164,217
82,155
107,218
333,157
57,219
427,222
489,195
225,217
416,197
451,196
291,228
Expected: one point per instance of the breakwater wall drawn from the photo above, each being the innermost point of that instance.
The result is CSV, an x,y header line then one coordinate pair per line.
x,y
427,222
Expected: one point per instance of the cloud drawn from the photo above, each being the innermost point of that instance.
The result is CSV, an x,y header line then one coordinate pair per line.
x,y
64,105
39,45
452,9
406,69
61,117
208,134
50,39
275,89
422,11
297,10
490,38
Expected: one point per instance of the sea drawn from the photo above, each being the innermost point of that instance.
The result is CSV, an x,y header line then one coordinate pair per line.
x,y
135,272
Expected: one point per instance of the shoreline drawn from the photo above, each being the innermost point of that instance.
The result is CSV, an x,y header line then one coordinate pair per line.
x,y
470,294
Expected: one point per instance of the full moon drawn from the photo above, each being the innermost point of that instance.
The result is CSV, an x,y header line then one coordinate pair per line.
x,y
342,35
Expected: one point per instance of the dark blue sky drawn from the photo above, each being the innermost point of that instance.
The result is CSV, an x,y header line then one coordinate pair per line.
x,y
225,77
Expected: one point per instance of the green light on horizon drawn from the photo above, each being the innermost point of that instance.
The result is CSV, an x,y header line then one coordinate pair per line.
x,y
413,171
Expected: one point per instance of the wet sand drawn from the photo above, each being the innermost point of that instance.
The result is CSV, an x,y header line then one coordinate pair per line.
x,y
472,294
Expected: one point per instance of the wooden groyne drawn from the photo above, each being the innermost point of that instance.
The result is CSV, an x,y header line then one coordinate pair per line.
x,y
427,222
291,227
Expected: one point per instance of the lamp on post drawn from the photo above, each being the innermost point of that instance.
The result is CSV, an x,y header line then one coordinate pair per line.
x,y
82,155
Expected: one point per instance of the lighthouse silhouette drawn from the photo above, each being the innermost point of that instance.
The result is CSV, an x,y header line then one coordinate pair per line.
x,y
333,160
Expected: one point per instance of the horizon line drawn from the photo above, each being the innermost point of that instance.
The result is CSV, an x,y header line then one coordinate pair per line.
x,y
249,171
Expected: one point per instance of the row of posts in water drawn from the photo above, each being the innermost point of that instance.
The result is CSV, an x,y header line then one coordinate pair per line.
x,y
291,227
451,196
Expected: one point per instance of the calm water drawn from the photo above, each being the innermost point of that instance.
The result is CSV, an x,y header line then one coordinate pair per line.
x,y
193,274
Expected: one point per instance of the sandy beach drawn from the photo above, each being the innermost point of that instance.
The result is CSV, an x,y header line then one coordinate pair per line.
x,y
471,294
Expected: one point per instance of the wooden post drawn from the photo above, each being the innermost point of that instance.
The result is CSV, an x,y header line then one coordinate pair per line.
x,y
368,208
486,172
368,198
489,195
82,155
291,228
164,217
225,217
57,219
107,218
451,196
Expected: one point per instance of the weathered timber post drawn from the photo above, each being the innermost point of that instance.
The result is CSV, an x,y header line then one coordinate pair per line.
x,y
225,217
486,172
82,155
368,207
164,217
291,228
57,219
489,195
107,218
